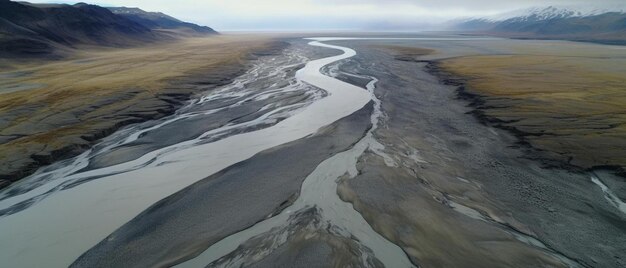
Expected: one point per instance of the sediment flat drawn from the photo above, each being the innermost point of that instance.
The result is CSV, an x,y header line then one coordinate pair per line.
x,y
186,223
298,110
461,192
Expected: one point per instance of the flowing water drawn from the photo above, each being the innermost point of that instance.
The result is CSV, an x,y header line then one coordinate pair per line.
x,y
53,216
61,211
319,191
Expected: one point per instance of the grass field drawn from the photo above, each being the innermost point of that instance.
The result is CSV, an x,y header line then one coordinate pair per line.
x,y
564,100
56,108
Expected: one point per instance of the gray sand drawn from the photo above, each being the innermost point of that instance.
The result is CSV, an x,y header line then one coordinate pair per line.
x,y
186,223
448,155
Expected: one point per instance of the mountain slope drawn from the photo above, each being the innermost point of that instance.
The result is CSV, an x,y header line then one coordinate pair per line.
x,y
27,29
556,23
37,30
158,20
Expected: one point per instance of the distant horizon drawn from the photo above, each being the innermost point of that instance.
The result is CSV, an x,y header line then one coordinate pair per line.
x,y
341,15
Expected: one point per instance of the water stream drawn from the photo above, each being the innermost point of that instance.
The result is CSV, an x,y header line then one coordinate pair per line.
x,y
49,219
319,191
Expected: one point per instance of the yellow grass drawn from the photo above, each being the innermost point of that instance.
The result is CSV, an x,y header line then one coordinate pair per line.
x,y
59,112
578,99
102,71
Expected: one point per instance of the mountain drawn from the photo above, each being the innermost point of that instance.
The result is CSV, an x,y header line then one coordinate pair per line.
x,y
28,30
591,24
158,20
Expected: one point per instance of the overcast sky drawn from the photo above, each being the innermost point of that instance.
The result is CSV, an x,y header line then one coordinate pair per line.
x,y
333,14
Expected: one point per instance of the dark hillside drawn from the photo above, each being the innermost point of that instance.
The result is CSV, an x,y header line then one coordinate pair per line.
x,y
33,30
158,20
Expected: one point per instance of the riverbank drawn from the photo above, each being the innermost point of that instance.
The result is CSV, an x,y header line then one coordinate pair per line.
x,y
458,193
570,110
287,165
57,109
217,203
87,198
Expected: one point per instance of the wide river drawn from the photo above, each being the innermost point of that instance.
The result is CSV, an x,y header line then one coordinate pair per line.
x,y
52,217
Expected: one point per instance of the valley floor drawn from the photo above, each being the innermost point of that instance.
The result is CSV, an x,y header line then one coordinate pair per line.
x,y
348,152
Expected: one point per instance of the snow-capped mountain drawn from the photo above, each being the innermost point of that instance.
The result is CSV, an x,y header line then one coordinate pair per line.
x,y
554,12
606,25
546,13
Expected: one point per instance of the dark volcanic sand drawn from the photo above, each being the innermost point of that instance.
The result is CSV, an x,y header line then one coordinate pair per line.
x,y
310,242
446,157
188,222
